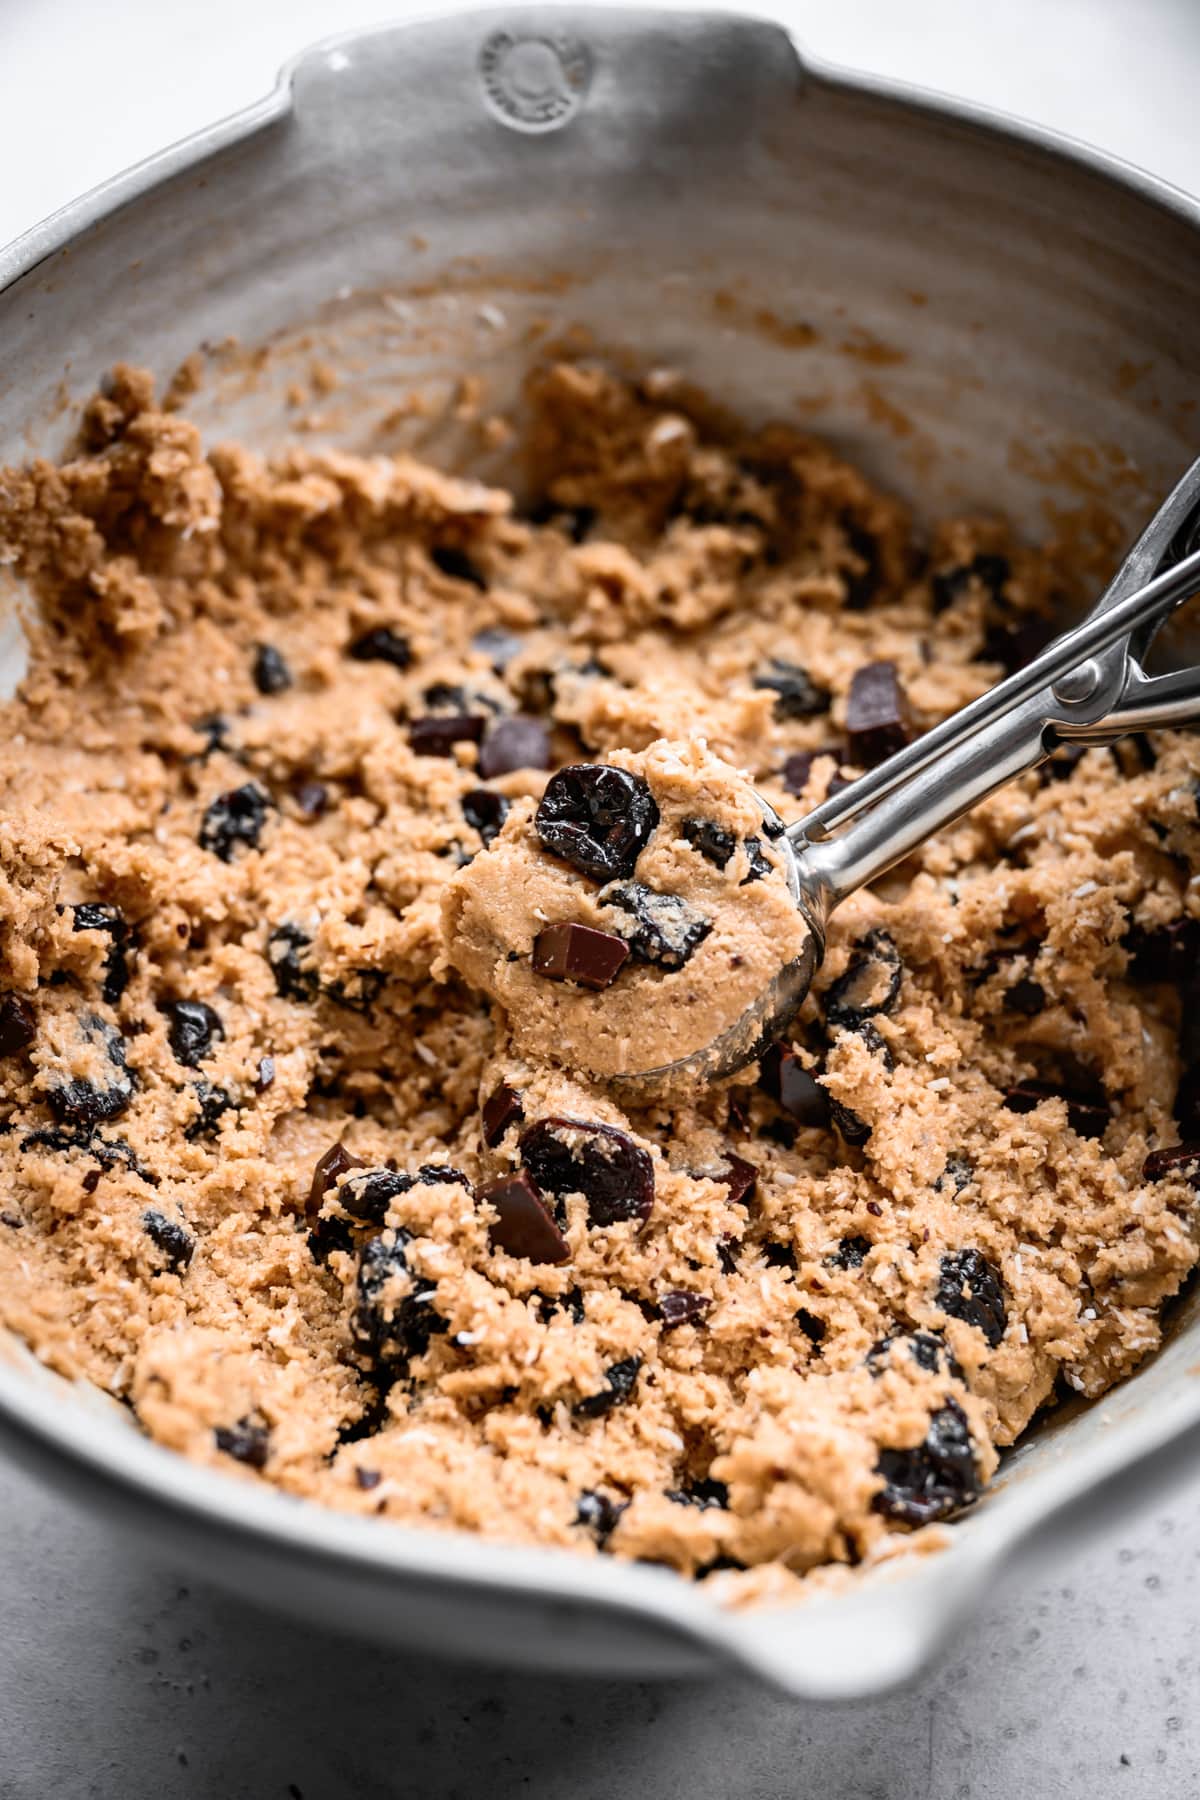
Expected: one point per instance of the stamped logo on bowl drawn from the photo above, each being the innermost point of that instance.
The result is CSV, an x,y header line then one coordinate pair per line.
x,y
533,83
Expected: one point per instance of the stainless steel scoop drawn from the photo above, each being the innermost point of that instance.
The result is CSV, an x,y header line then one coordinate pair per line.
x,y
1089,686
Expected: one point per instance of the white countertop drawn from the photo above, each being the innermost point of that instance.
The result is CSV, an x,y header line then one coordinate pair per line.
x,y
118,1681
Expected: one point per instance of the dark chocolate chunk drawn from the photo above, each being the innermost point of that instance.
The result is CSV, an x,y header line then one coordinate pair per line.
x,y
1186,1110
293,980
598,1514
798,768
850,1253
800,697
937,1477
971,1289
759,867
927,1349
580,1156
359,990
948,584
597,818
875,1041
1016,640
813,1328
847,1123
192,1026
779,1256
176,1244
715,844
312,797
1175,1159
619,1382
784,1077
438,733
110,1153
367,1193
523,1225
870,985
394,1317
704,1494
249,1441
271,673
683,1309
82,1102
18,1025
1025,996
1087,1111
336,1161
740,1177
213,729
727,1254
514,743
266,1074
877,721
568,952
367,1479
91,916
501,1109
381,644
212,1104
233,818
958,1173
498,645
660,928
485,811
457,565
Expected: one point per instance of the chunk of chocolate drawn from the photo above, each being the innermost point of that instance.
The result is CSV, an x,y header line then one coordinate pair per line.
x,y
991,572
1174,1159
598,1514
312,797
847,1123
740,1178
597,818
18,1025
233,818
870,986
799,696
249,1441
191,1028
438,733
523,1225
578,953
394,1317
939,1476
294,978
381,644
1087,1112
928,1349
366,1193
501,1110
813,1328
498,645
177,1244
798,767
704,1494
683,1309
95,916
455,563
336,1161
83,1102
619,1382
715,844
659,928
877,719
784,1077
970,1289
485,811
579,1156
850,1253
517,742
265,1077
269,670
758,865
212,1103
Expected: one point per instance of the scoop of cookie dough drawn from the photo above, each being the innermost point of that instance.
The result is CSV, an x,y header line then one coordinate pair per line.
x,y
633,917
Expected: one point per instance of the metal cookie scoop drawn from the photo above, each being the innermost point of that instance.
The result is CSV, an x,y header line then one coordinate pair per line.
x,y
1088,686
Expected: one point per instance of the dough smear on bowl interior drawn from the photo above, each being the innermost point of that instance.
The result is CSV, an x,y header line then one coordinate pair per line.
x,y
633,916
325,1213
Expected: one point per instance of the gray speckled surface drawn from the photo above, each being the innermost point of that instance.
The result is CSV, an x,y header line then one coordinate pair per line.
x,y
119,1680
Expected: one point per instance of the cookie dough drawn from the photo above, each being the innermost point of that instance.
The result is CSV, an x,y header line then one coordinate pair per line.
x,y
635,916
282,1181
